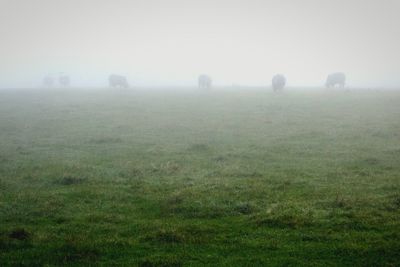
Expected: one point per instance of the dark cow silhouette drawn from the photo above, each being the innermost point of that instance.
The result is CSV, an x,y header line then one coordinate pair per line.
x,y
337,78
278,82
64,80
48,81
118,81
204,81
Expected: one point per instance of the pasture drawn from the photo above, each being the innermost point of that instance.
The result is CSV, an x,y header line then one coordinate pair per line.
x,y
189,178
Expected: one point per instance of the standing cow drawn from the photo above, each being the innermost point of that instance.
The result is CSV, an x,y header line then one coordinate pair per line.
x,y
64,80
48,81
204,81
118,81
278,82
337,78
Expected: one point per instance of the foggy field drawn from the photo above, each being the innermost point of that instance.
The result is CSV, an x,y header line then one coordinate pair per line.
x,y
190,178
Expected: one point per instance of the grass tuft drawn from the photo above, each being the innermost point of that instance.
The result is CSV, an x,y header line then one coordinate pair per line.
x,y
71,180
244,208
19,234
160,262
167,236
198,148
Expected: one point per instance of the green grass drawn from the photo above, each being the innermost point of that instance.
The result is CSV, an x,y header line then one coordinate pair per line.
x,y
190,178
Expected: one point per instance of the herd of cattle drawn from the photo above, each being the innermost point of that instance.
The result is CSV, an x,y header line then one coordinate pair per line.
x,y
204,81
62,80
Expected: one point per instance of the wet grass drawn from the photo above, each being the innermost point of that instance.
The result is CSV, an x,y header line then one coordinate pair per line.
x,y
218,178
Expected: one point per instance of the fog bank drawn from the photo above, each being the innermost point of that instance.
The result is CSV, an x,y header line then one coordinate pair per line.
x,y
167,43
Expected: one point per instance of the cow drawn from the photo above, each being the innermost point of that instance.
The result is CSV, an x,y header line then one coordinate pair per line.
x,y
204,81
337,78
64,80
118,81
48,81
278,82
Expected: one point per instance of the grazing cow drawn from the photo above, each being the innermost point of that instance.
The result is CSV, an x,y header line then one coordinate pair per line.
x,y
48,81
278,82
64,80
337,78
118,81
204,81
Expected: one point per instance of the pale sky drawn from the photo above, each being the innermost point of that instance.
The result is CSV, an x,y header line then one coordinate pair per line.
x,y
171,42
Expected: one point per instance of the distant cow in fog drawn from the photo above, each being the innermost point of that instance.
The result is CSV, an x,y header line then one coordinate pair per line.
x,y
118,81
337,78
204,81
48,81
278,82
64,80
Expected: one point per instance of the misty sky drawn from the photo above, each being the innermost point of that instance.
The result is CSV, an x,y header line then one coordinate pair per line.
x,y
171,42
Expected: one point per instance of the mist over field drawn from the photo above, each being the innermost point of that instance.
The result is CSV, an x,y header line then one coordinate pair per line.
x,y
169,43
199,133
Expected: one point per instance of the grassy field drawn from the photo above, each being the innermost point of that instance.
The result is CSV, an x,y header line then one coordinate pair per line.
x,y
190,178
